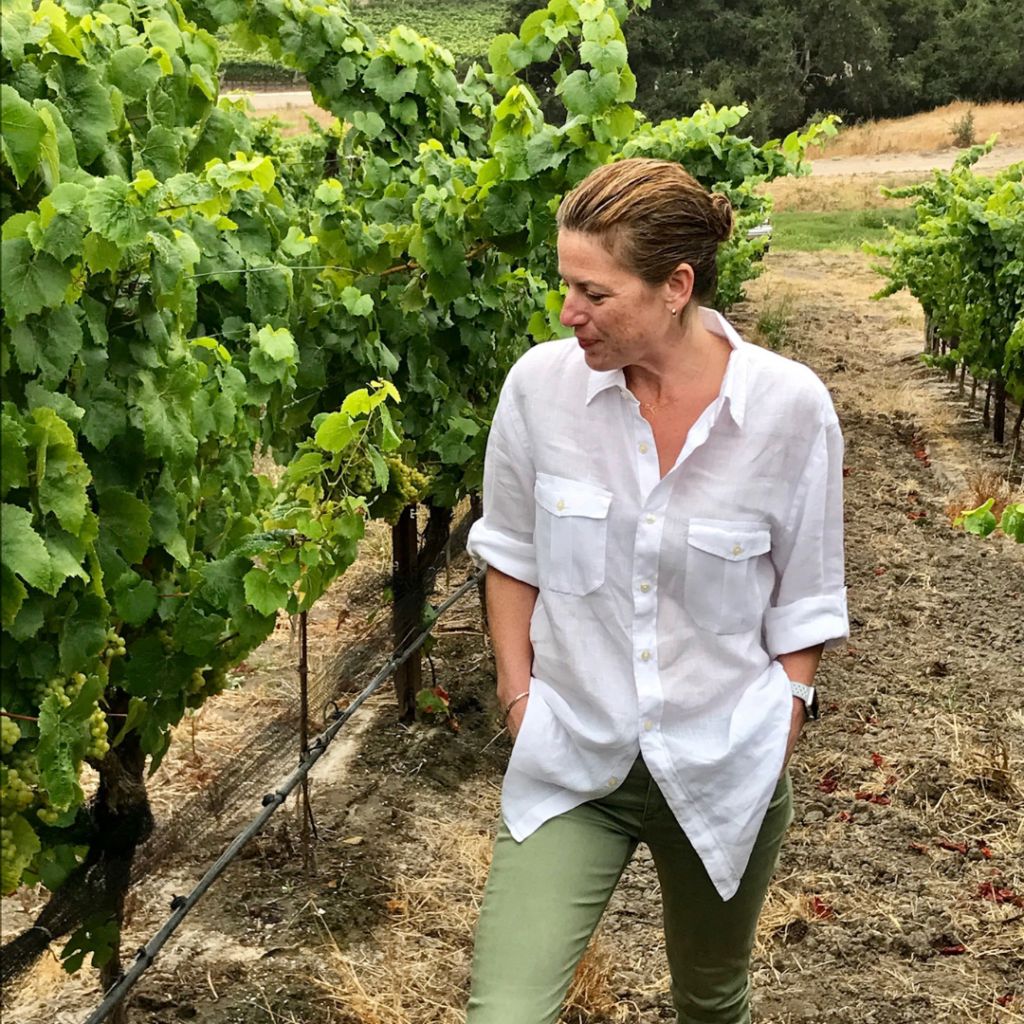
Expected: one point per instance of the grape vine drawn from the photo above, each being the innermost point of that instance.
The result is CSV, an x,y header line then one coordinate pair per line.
x,y
963,260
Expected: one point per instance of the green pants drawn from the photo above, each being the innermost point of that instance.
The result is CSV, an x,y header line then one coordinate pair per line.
x,y
544,897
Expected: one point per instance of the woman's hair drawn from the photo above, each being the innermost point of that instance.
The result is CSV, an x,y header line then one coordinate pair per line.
x,y
652,216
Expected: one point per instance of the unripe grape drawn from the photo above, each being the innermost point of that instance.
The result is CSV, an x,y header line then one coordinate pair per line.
x,y
9,735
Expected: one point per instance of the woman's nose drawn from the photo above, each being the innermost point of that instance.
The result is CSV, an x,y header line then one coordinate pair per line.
x,y
571,315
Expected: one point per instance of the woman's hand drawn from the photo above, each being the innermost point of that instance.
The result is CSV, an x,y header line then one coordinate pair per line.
x,y
796,723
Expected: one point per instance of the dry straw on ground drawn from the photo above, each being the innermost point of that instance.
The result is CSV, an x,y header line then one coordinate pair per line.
x,y
929,131
415,968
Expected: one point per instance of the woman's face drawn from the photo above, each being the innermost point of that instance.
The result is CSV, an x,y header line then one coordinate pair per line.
x,y
619,319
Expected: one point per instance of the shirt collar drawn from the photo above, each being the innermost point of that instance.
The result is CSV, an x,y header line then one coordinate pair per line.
x,y
734,390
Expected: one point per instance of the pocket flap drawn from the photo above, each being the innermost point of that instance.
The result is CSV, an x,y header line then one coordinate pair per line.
x,y
733,541
563,497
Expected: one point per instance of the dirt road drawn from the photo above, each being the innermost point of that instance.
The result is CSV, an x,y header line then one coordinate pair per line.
x,y
905,163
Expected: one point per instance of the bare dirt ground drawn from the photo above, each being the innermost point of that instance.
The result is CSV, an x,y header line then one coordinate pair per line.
x,y
899,898
905,163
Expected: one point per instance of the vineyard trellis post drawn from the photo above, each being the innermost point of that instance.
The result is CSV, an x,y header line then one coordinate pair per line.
x,y
308,831
406,609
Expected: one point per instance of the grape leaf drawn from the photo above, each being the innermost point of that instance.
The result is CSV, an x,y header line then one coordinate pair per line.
x,y
23,550
133,70
275,354
336,432
13,464
48,344
589,94
383,78
83,634
263,592
12,596
30,281
84,102
222,581
65,477
162,151
63,740
23,131
98,935
116,212
164,412
105,414
124,519
135,599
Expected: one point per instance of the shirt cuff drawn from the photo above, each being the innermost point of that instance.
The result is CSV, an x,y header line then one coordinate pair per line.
x,y
507,554
807,623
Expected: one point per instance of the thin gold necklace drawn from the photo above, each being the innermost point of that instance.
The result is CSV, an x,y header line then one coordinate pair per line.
x,y
653,407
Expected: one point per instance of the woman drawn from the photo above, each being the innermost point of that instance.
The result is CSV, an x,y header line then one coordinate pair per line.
x,y
663,533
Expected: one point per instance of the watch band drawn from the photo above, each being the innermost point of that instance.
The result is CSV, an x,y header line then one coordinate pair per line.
x,y
809,696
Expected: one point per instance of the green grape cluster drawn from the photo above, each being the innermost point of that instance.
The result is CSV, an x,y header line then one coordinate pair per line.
x,y
10,873
56,686
98,743
15,793
9,734
411,484
204,684
115,644
407,485
360,478
25,762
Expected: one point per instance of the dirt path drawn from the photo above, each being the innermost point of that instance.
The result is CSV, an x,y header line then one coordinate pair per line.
x,y
898,899
905,163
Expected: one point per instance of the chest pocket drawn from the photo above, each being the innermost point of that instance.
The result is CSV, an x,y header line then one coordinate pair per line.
x,y
722,591
570,534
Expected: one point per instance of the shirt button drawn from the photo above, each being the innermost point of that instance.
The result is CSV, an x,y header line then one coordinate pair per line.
x,y
650,519
648,725
613,781
645,655
737,549
559,504
643,448
644,587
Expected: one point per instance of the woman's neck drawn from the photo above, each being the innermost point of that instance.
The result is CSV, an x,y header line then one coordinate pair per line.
x,y
688,361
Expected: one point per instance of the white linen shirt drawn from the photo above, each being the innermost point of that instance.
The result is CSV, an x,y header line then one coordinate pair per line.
x,y
663,604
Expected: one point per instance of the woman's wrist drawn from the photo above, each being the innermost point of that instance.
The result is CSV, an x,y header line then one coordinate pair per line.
x,y
507,708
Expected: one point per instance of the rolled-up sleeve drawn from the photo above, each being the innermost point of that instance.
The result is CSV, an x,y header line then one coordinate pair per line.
x,y
808,605
503,536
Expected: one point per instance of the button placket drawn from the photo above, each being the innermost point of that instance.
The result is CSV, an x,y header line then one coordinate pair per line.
x,y
649,528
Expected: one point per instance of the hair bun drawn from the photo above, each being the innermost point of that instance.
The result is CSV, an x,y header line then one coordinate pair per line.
x,y
723,215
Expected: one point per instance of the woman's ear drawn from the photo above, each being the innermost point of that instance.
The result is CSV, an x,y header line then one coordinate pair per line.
x,y
679,286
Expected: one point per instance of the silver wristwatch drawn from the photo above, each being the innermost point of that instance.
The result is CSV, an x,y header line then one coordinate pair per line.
x,y
809,696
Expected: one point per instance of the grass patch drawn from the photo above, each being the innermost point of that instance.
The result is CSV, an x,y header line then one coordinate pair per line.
x,y
774,326
838,229
466,27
